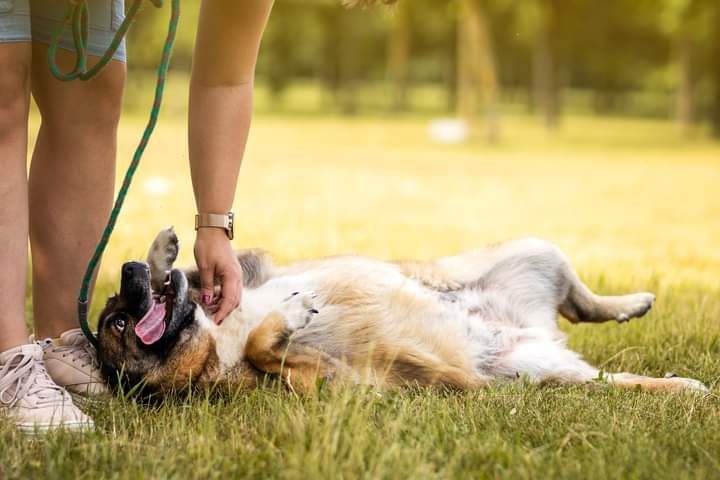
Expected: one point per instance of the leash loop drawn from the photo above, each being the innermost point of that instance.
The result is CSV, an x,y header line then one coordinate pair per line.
x,y
77,17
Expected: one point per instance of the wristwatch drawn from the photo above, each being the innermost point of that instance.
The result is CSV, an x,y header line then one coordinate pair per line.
x,y
225,221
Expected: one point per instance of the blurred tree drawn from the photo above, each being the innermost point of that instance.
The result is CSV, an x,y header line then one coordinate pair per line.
x,y
147,36
659,57
398,64
545,75
613,46
715,63
477,74
683,50
681,21
290,46
434,45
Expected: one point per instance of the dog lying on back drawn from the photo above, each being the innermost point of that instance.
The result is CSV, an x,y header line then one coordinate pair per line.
x,y
460,322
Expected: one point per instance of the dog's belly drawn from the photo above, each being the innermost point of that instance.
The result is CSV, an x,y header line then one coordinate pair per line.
x,y
368,307
321,278
495,328
467,329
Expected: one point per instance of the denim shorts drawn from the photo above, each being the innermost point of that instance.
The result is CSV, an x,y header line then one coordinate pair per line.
x,y
37,20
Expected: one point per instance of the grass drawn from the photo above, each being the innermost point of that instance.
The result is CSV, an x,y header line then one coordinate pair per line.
x,y
634,205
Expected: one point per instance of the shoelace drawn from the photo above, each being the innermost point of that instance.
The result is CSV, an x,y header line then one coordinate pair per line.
x,y
78,351
27,377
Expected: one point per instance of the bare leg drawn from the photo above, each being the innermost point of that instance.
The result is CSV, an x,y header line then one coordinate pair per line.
x,y
14,106
72,178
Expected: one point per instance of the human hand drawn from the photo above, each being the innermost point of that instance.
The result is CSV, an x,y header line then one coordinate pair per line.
x,y
216,260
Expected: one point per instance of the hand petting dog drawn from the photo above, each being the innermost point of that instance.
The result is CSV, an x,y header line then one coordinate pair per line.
x,y
217,262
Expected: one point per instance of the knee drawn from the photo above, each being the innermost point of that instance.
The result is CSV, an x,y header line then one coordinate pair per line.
x,y
95,107
14,97
545,256
107,95
542,248
101,109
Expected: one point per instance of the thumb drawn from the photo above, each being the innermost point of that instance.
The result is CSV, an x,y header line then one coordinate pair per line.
x,y
207,285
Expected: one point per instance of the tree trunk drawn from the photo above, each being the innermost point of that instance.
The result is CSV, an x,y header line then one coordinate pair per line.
x,y
545,94
715,59
684,96
331,72
399,56
451,71
477,73
544,73
545,79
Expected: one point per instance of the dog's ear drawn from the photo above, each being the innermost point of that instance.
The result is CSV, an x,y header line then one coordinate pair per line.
x,y
161,256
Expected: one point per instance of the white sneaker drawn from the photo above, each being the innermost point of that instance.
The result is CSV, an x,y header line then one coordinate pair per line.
x,y
30,397
72,363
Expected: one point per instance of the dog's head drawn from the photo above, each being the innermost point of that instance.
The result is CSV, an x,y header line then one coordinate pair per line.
x,y
151,337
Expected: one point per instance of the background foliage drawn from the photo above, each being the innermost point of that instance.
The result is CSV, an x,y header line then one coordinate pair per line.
x,y
658,58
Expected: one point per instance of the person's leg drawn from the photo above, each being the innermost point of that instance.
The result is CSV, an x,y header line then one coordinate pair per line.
x,y
14,106
27,393
71,183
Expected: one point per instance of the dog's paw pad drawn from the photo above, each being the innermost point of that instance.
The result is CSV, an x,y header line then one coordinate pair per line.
x,y
299,309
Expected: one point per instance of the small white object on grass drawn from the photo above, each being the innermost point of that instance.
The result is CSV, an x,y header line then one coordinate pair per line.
x,y
448,130
157,186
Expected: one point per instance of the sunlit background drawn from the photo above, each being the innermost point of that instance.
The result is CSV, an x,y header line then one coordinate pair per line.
x,y
437,126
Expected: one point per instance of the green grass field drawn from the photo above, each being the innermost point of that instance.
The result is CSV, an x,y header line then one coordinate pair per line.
x,y
635,207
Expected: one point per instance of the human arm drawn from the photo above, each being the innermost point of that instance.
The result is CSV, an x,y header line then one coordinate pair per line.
x,y
221,90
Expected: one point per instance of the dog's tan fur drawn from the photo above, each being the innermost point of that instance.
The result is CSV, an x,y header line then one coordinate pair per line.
x,y
458,322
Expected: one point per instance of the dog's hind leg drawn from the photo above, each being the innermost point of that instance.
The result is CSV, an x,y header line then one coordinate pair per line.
x,y
575,301
536,276
651,384
582,305
550,362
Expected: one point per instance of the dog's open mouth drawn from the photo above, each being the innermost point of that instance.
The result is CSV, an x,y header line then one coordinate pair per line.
x,y
152,325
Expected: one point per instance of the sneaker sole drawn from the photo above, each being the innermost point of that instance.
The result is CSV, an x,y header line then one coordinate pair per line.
x,y
41,429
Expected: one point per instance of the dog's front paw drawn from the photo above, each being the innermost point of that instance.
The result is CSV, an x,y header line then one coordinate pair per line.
x,y
162,255
299,309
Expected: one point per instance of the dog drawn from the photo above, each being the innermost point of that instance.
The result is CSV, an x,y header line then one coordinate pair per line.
x,y
459,322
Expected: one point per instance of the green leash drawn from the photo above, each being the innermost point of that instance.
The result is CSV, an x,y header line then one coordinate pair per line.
x,y
76,17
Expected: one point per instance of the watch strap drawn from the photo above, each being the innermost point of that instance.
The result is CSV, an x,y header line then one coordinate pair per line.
x,y
216,220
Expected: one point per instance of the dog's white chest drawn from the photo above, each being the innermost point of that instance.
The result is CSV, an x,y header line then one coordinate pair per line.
x,y
231,337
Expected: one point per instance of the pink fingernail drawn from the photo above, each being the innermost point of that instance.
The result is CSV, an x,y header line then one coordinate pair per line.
x,y
206,299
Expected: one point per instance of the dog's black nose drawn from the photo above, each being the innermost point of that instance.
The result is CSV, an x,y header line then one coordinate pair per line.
x,y
134,269
135,288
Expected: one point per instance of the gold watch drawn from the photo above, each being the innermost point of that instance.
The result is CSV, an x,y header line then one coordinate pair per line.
x,y
225,221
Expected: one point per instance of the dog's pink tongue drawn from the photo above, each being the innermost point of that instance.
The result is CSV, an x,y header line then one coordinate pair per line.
x,y
152,326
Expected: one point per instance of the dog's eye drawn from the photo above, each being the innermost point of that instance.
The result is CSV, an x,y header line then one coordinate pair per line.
x,y
119,323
